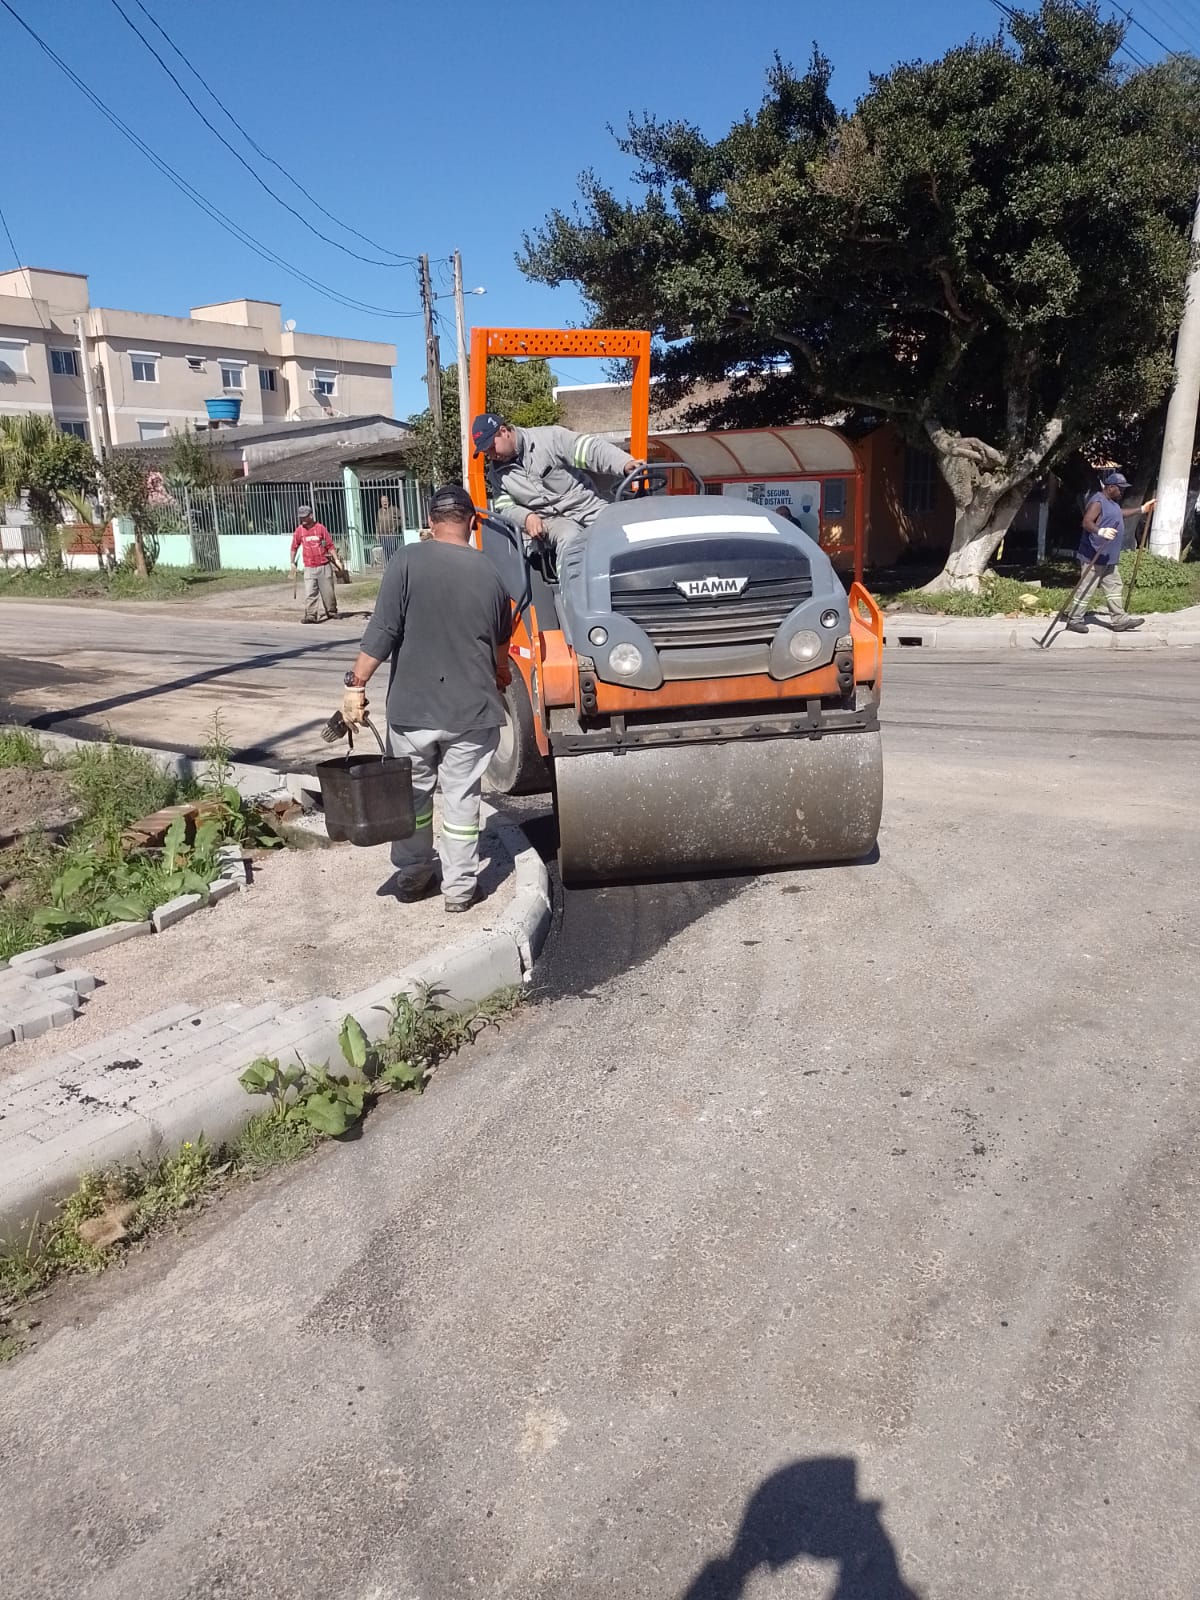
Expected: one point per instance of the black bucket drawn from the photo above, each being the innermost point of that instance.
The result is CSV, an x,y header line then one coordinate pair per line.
x,y
368,799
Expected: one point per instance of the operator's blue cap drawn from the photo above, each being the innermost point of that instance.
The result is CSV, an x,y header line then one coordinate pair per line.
x,y
484,429
1115,480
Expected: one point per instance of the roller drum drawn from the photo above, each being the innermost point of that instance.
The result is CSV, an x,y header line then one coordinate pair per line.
x,y
743,805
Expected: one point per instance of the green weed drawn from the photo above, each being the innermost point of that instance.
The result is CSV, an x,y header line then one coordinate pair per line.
x,y
19,749
266,1141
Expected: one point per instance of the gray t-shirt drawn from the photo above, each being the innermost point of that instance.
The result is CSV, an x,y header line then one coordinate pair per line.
x,y
443,617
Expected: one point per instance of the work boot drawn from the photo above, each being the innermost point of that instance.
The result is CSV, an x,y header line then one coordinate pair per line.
x,y
1127,624
407,893
1076,625
453,907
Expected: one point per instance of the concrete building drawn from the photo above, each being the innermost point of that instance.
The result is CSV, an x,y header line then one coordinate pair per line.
x,y
152,374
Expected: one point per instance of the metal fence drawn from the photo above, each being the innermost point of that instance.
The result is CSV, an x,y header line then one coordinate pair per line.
x,y
384,511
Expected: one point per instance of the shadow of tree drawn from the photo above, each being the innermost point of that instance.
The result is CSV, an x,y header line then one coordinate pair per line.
x,y
810,1508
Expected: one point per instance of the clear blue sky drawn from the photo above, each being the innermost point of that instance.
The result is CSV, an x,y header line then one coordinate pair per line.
x,y
425,126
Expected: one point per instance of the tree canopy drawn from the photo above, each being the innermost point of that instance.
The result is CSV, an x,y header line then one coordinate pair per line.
x,y
520,391
50,469
990,249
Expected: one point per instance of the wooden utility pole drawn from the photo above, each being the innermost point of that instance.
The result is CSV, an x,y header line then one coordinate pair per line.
x,y
464,375
433,356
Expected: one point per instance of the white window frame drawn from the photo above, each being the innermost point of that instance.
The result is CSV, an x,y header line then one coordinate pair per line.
x,y
324,382
64,350
197,363
162,430
139,358
15,347
271,373
231,364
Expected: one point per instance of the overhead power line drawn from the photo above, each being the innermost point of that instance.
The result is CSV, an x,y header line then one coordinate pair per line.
x,y
392,258
193,194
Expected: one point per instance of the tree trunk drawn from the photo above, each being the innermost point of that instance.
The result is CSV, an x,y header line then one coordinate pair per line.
x,y
979,526
139,553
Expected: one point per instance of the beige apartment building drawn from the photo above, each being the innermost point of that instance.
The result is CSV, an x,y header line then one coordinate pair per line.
x,y
151,375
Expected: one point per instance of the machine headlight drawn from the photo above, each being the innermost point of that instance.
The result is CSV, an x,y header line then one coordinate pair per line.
x,y
625,660
805,645
829,619
599,636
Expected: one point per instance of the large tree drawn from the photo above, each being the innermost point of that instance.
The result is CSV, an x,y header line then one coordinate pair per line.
x,y
49,469
520,391
990,249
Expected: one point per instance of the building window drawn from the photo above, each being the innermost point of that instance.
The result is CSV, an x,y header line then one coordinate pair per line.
x,y
64,363
196,363
833,497
325,383
145,366
233,375
920,481
79,429
12,357
268,379
153,430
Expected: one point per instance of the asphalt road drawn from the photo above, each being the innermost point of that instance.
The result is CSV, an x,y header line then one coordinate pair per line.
x,y
826,1234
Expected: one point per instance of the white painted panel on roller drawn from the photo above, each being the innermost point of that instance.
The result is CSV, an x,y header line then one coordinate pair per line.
x,y
678,527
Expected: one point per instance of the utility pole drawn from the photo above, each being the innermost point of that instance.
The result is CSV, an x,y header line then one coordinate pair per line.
x,y
433,356
1179,440
464,374
89,390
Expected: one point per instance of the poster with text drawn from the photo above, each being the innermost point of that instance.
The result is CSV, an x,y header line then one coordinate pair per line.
x,y
800,496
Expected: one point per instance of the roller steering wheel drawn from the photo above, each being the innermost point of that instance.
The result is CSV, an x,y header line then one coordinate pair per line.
x,y
654,479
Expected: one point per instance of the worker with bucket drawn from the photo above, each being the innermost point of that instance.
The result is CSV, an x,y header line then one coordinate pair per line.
x,y
443,620
1100,541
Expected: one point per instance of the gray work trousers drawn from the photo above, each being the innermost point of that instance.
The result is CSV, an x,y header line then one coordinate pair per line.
x,y
455,763
1106,574
319,584
561,532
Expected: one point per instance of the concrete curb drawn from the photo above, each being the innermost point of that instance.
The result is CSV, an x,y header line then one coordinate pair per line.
x,y
136,1096
921,631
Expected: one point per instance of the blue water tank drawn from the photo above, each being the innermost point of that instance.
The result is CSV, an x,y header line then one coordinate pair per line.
x,y
224,410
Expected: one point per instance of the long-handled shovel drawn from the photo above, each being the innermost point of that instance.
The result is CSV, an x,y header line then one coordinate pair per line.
x,y
1137,560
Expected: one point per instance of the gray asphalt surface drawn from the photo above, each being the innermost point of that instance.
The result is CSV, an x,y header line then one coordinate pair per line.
x,y
826,1234
156,674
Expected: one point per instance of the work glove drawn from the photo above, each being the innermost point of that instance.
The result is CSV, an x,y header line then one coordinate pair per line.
x,y
354,707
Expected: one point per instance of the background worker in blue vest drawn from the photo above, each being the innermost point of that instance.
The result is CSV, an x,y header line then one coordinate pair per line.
x,y
1099,550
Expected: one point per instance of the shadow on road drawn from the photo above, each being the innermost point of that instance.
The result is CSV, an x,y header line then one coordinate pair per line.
x,y
810,1508
95,708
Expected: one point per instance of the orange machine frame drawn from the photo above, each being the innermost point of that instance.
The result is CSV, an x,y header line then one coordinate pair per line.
x,y
616,344
548,651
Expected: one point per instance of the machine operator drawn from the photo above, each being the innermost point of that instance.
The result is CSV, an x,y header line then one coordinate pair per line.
x,y
541,479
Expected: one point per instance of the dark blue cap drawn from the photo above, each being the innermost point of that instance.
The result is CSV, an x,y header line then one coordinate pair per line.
x,y
484,429
1115,480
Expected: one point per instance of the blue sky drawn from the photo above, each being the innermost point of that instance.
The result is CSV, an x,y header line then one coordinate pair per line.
x,y
425,126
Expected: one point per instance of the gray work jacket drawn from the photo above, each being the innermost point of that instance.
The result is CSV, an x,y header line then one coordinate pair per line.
x,y
551,474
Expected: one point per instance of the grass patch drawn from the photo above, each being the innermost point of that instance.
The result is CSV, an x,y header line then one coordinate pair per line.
x,y
355,594
19,749
164,583
1162,585
94,878
109,1212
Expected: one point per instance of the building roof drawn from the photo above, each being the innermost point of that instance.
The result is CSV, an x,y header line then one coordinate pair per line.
x,y
260,432
325,462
